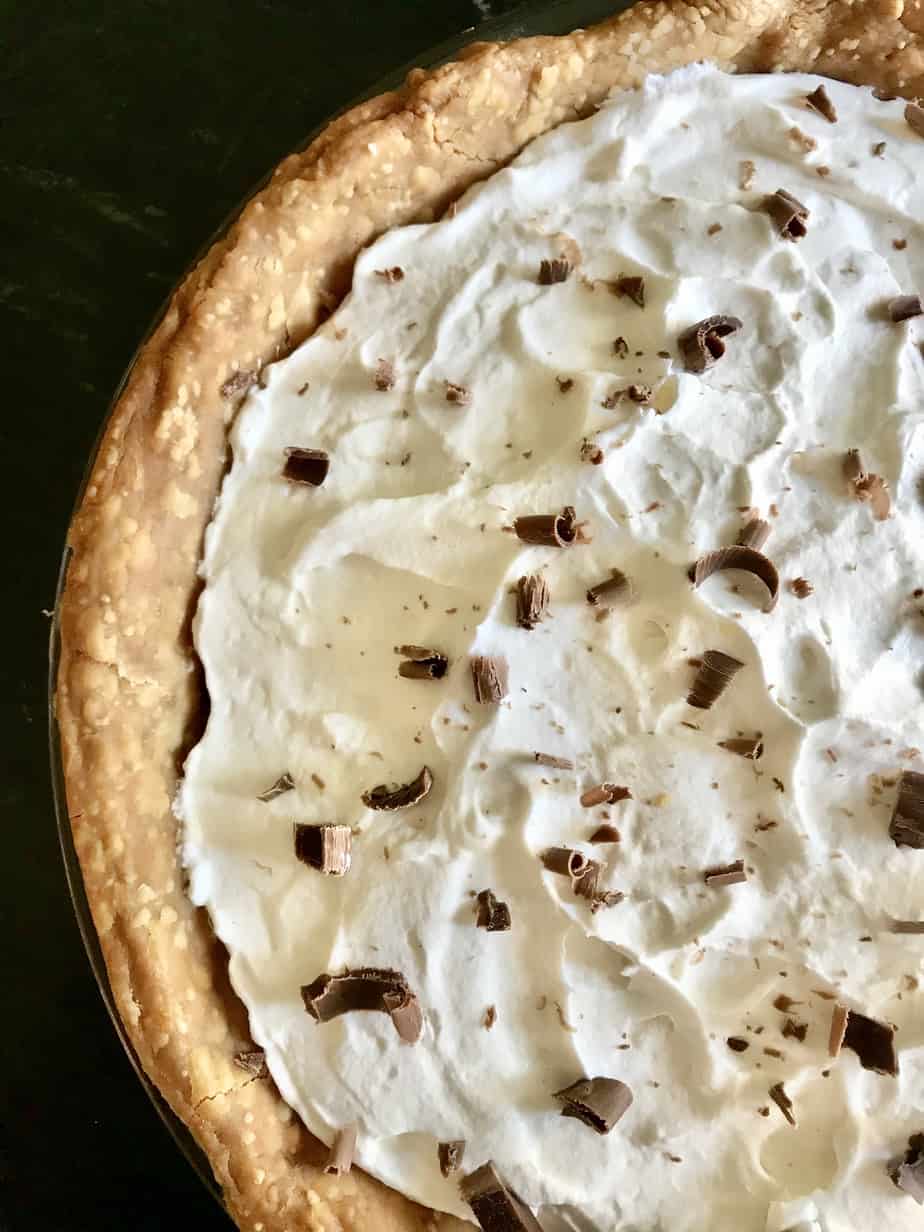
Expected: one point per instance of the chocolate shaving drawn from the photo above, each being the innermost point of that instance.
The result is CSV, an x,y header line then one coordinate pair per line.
x,y
422,663
783,1003
748,560
252,1061
458,395
284,783
725,874
605,834
795,1030
556,270
865,486
494,1204
914,116
783,1102
489,1017
532,600
489,677
591,452
906,828
801,587
598,1102
450,1155
620,347
839,1016
702,344
340,1157
616,590
819,100
873,1042
326,848
631,287
904,307
309,466
754,534
639,393
365,988
604,793
716,672
789,216
558,763
384,377
737,1044
492,914
565,383
385,798
584,874
908,1172
237,383
751,747
906,927
395,274
554,530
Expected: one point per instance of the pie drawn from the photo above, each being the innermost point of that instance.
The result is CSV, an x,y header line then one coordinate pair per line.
x,y
601,419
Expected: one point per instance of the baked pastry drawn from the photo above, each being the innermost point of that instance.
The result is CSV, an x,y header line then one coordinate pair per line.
x,y
130,699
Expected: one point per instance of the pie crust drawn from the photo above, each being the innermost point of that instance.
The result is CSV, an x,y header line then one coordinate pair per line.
x,y
130,702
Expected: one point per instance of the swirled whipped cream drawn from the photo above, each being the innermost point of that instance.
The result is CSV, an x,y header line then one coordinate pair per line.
x,y
309,590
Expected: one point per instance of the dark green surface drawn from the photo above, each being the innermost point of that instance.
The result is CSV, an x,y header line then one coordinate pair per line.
x,y
128,131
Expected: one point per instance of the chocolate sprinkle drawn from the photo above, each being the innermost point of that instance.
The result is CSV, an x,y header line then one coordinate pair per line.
x,y
532,600
309,466
326,848
873,1042
783,1102
751,747
754,534
795,1030
616,590
584,874
558,763
252,1061
489,677
631,287
385,798
906,927
598,1102
789,216
725,874
384,378
716,672
737,1044
605,834
556,270
554,530
422,663
865,486
914,115
284,783
494,1204
604,793
839,1016
906,828
819,100
340,1157
237,383
620,347
450,1155
492,914
801,587
904,307
365,988
702,344
458,395
395,274
748,560
489,1017
908,1172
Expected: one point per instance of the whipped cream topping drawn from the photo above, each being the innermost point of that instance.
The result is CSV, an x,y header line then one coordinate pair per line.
x,y
308,591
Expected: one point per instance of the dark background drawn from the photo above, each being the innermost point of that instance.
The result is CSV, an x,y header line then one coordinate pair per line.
x,y
129,129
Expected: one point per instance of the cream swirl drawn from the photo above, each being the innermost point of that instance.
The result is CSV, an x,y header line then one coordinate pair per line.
x,y
308,592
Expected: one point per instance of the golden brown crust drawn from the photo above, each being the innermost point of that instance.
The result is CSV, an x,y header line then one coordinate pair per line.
x,y
128,692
